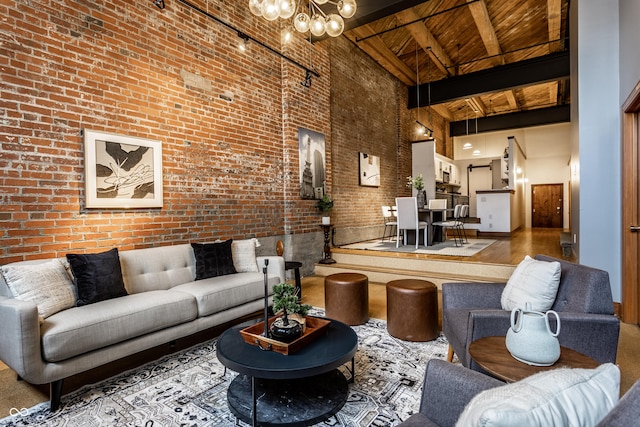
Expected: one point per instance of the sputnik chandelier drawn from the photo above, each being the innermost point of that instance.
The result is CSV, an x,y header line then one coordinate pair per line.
x,y
306,19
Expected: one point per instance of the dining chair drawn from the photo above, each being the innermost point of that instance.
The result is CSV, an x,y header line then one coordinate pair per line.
x,y
408,220
389,221
463,215
454,224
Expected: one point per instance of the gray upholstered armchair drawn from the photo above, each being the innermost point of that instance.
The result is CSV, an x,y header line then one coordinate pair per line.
x,y
448,388
471,311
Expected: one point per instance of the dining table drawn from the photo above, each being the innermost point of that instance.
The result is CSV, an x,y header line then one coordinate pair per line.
x,y
434,233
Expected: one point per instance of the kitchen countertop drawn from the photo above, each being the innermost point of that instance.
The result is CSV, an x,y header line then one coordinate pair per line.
x,y
497,190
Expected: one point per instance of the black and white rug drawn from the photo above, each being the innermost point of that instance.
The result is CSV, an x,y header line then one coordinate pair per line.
x,y
448,247
189,388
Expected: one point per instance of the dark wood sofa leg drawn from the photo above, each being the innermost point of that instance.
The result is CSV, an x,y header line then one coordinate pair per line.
x,y
55,392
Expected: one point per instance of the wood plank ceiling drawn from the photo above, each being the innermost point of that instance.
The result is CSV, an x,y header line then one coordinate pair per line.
x,y
437,39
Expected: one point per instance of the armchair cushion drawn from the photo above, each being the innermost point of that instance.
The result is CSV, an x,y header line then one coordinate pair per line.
x,y
532,281
557,397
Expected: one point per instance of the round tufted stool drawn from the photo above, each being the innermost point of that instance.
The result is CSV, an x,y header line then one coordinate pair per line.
x,y
412,310
346,297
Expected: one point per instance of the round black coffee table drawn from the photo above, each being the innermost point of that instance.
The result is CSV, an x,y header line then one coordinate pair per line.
x,y
299,389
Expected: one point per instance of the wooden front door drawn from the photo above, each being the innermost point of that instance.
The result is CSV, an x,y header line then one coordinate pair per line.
x,y
547,208
630,210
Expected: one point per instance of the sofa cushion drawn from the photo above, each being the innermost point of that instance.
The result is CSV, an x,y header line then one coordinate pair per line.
x,y
244,255
157,268
217,294
97,277
213,259
82,329
560,397
532,281
48,285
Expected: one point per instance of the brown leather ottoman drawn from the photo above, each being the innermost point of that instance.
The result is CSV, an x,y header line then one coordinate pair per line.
x,y
346,297
412,310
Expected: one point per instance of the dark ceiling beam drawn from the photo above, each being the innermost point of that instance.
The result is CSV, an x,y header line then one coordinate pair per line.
x,y
521,119
554,66
373,10
368,12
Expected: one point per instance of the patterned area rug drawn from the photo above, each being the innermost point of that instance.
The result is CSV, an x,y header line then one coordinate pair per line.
x,y
445,248
188,388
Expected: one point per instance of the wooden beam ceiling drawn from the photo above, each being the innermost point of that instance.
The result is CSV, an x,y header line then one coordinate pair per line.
x,y
466,36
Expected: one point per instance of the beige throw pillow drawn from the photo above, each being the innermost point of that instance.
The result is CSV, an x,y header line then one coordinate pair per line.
x,y
560,397
48,285
243,253
532,281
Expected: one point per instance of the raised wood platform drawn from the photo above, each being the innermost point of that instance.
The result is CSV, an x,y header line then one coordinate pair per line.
x,y
494,264
382,267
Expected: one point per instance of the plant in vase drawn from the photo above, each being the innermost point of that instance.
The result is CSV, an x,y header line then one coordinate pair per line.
x,y
325,205
285,298
417,182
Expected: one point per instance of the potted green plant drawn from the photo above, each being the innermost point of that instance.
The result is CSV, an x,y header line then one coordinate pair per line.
x,y
286,328
417,182
325,205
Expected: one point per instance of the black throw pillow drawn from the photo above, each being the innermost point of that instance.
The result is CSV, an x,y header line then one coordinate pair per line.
x,y
97,277
213,259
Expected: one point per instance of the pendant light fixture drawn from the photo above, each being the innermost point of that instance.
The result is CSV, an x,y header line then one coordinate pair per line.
x,y
467,145
422,129
312,19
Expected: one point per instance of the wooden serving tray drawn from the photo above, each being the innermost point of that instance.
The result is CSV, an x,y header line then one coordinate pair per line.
x,y
253,335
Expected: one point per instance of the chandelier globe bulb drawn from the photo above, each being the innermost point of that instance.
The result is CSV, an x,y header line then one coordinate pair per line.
x,y
347,8
286,8
318,26
255,6
270,10
334,25
302,22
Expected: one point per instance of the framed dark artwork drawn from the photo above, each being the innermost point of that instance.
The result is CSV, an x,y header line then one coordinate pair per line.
x,y
369,170
122,171
311,146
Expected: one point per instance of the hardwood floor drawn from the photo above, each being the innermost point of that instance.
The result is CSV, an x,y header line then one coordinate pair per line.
x,y
506,250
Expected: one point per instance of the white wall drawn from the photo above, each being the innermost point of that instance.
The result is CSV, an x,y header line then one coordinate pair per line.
x,y
595,100
629,36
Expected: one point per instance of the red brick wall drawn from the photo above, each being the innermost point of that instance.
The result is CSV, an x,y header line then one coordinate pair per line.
x,y
368,114
114,66
230,168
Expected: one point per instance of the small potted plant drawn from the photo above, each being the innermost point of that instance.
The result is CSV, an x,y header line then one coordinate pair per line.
x,y
325,205
285,328
417,182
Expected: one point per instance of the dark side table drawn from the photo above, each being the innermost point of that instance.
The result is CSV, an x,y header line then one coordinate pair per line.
x,y
295,266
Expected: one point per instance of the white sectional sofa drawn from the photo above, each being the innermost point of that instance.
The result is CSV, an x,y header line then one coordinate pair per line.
x,y
164,302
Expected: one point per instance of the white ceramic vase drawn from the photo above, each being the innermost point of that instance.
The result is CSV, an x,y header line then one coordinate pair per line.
x,y
530,339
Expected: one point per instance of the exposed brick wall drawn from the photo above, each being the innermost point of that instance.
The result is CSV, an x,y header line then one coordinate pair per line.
x,y
368,114
230,168
115,66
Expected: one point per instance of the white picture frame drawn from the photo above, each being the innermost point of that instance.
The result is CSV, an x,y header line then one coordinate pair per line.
x,y
121,171
369,170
